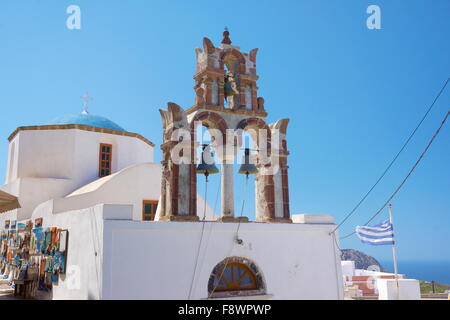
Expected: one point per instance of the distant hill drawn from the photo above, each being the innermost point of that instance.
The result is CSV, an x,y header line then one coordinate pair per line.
x,y
427,287
362,260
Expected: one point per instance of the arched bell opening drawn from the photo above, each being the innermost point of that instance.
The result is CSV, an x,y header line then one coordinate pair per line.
x,y
233,63
214,130
231,87
244,176
264,184
208,173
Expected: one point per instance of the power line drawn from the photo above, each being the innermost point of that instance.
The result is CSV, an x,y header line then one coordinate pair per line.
x,y
236,239
201,237
242,207
394,159
200,265
407,176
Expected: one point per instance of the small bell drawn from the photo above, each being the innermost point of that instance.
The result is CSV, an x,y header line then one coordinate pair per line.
x,y
247,167
205,168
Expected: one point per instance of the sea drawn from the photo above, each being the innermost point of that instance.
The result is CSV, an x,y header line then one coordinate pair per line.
x,y
428,270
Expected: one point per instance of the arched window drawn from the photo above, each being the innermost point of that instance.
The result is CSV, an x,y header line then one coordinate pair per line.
x,y
235,276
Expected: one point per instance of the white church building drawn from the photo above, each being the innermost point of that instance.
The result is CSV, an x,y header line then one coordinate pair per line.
x,y
128,236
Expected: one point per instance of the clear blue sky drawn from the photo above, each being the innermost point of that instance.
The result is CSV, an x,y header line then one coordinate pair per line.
x,y
353,95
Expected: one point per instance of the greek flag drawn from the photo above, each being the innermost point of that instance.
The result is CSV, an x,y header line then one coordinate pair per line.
x,y
377,235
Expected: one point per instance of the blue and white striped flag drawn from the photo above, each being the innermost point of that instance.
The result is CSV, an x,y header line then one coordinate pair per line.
x,y
378,235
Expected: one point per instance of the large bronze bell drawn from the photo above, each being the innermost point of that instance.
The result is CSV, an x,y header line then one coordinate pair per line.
x,y
205,168
247,167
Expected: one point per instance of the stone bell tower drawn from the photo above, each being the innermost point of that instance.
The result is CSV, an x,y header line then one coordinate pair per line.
x,y
227,103
215,64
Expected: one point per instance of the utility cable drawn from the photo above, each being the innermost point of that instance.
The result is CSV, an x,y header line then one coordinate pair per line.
x,y
201,236
395,158
209,233
407,176
236,239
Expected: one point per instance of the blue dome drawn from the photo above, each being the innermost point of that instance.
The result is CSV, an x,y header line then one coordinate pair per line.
x,y
88,120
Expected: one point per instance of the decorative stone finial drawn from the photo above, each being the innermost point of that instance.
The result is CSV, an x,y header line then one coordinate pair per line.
x,y
226,37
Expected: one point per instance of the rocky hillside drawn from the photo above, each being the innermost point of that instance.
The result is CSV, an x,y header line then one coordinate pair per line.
x,y
362,260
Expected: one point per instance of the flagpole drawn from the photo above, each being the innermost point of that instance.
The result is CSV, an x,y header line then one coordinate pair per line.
x,y
394,252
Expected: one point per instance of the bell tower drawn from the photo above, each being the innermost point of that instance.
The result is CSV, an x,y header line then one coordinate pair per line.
x,y
226,103
226,78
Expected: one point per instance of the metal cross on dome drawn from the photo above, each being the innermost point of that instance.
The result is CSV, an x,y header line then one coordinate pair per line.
x,y
86,98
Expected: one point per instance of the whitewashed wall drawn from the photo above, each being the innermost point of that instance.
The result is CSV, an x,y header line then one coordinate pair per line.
x,y
50,164
111,256
131,186
156,260
404,289
82,280
73,154
348,268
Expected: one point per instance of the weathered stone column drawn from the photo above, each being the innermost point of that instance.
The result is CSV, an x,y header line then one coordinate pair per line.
x,y
221,92
227,190
255,98
208,87
265,203
193,182
265,199
227,156
285,187
177,168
